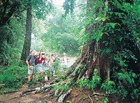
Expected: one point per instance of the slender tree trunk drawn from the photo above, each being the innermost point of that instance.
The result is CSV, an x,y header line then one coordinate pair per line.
x,y
27,41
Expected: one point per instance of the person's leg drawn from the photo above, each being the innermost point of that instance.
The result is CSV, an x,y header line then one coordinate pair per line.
x,y
41,71
30,73
39,68
30,77
44,76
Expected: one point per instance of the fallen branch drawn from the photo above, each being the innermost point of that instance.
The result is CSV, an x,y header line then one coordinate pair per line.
x,y
27,92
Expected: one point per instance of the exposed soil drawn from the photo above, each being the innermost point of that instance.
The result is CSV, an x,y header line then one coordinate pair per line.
x,y
77,95
31,98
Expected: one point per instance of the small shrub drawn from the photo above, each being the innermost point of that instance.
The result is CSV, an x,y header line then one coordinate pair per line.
x,y
109,86
13,76
127,85
95,80
91,84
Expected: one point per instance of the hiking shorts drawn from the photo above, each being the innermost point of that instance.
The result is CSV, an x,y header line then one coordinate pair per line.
x,y
46,69
31,70
39,68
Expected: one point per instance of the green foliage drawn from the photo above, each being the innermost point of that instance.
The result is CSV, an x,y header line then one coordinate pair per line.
x,y
109,86
11,41
126,87
91,84
7,90
105,100
96,80
60,37
68,6
13,76
127,84
127,77
82,82
63,87
41,8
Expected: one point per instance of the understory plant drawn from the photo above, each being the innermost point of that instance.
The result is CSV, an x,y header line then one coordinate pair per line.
x,y
12,77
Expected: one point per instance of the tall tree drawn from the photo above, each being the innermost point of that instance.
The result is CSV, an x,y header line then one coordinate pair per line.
x,y
109,42
40,9
27,41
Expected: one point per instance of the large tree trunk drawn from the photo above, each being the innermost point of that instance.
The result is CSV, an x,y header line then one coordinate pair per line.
x,y
101,55
27,41
90,58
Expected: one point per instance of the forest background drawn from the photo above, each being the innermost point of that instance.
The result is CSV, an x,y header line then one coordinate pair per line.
x,y
109,28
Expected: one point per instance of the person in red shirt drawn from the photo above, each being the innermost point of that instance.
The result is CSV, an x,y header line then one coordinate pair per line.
x,y
39,60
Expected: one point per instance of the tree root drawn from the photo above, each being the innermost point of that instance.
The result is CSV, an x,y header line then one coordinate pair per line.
x,y
37,90
90,99
98,94
62,97
83,99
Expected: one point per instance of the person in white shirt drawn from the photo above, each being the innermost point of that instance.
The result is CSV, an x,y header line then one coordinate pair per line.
x,y
64,61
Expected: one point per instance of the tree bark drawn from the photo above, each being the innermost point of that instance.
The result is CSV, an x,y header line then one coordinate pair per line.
x,y
90,57
27,40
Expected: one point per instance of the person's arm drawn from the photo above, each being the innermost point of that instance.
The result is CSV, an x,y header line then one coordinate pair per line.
x,y
27,62
40,54
40,50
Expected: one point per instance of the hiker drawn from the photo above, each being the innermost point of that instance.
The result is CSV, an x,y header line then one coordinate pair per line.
x,y
64,60
56,64
51,63
39,60
30,61
46,65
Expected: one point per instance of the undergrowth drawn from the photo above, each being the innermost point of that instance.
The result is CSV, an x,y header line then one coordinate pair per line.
x,y
11,78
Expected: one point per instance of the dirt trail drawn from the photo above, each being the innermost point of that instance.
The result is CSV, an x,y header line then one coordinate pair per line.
x,y
32,98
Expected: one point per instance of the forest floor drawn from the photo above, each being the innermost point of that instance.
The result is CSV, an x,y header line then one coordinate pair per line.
x,y
77,95
31,98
